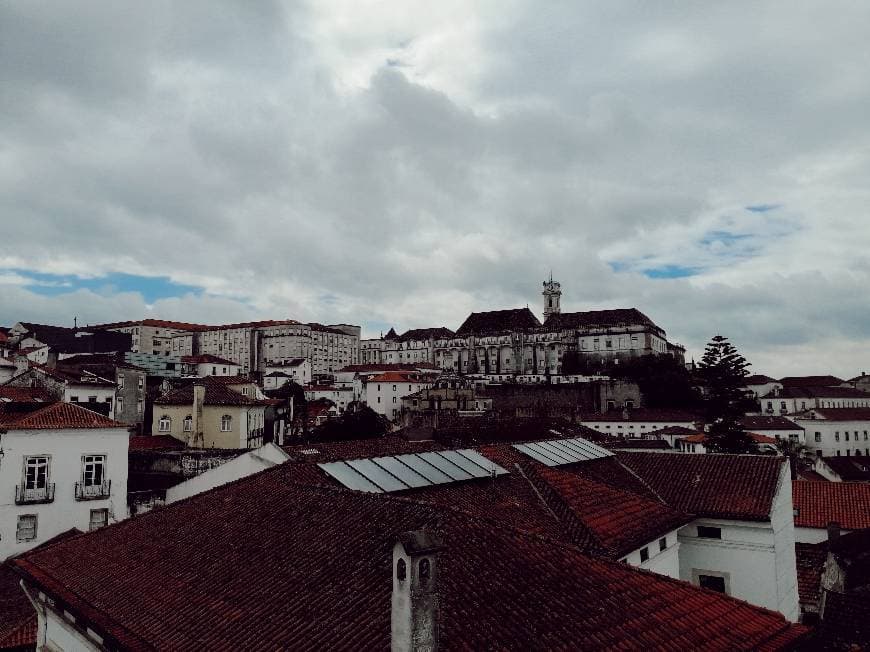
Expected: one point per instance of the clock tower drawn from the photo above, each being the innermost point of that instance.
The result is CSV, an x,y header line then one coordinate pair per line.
x,y
552,296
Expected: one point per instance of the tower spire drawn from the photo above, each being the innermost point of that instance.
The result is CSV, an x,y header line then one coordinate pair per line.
x,y
552,297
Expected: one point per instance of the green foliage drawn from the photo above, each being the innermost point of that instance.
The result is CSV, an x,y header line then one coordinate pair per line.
x,y
724,373
663,380
361,423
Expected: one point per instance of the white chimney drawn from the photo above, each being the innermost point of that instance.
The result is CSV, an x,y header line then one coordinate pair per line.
x,y
414,620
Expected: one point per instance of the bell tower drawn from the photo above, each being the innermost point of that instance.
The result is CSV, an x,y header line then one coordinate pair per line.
x,y
552,296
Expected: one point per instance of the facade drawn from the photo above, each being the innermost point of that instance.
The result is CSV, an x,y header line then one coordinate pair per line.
x,y
342,397
72,386
152,336
818,504
776,427
790,400
208,365
296,369
61,467
209,414
697,444
383,393
577,595
415,346
625,421
834,432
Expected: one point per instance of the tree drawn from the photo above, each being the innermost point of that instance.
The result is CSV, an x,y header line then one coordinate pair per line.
x,y
361,423
723,370
663,381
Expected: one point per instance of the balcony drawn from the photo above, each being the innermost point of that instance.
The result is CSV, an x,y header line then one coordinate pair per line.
x,y
93,491
34,496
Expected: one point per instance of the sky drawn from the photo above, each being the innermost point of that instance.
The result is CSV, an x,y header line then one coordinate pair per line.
x,y
406,163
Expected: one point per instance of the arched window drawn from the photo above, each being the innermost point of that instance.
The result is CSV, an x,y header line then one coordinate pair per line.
x,y
425,570
188,423
226,423
165,424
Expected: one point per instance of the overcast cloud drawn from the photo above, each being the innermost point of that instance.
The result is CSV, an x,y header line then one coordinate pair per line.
x,y
406,163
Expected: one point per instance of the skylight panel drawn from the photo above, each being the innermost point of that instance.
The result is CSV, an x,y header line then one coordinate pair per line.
x,y
557,452
400,472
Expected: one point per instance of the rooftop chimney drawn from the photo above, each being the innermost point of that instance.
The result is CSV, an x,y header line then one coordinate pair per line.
x,y
833,531
198,401
414,620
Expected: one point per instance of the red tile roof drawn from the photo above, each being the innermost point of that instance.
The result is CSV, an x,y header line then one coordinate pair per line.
x,y
810,558
17,616
25,394
718,486
811,381
760,422
758,379
207,358
397,366
58,416
324,556
155,442
618,521
819,503
642,414
396,377
156,323
809,391
216,393
599,319
700,438
498,321
844,414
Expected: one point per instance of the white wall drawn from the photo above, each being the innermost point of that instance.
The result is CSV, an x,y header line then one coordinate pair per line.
x,y
757,558
386,397
829,432
242,466
65,449
81,394
663,562
635,428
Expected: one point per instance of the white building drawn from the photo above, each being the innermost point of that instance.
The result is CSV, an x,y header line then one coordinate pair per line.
x,y
794,400
296,369
341,396
152,336
777,427
831,432
72,386
638,422
697,443
208,365
61,467
759,385
383,393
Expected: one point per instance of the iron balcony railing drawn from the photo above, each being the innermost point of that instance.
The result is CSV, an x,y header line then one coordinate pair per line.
x,y
93,491
25,495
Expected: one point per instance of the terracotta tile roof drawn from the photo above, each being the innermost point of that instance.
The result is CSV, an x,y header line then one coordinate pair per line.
x,y
58,416
843,414
700,438
71,376
255,324
295,362
850,469
760,422
395,366
649,444
641,414
207,358
807,391
17,616
676,431
719,486
358,448
216,393
155,442
810,559
25,394
156,323
396,377
758,379
819,503
417,334
846,625
324,556
619,521
498,321
811,381
598,319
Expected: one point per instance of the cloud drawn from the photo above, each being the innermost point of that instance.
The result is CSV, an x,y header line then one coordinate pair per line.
x,y
408,163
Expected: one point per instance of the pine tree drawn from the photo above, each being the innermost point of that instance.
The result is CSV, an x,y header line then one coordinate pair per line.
x,y
724,371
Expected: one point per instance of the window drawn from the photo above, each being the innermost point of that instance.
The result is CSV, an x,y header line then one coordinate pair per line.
x,y
644,554
165,424
663,544
99,518
394,399
706,532
141,382
226,423
836,436
74,399
119,405
120,382
26,529
712,582
187,424
93,470
36,472
818,437
847,435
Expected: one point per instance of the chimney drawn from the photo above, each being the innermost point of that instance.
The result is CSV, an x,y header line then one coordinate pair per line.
x,y
833,531
198,401
414,619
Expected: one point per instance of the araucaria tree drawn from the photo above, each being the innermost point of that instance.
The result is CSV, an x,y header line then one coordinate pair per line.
x,y
724,372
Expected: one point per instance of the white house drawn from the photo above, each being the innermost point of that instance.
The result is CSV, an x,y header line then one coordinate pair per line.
x,y
341,396
383,393
778,427
208,365
639,421
296,369
832,432
759,385
61,467
793,400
